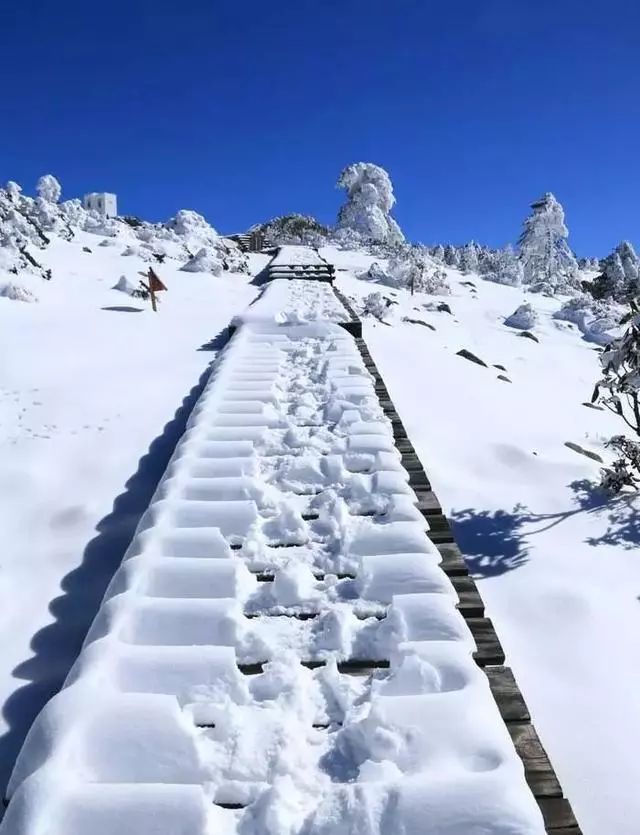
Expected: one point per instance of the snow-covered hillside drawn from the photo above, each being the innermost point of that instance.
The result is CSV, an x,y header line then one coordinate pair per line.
x,y
94,391
557,562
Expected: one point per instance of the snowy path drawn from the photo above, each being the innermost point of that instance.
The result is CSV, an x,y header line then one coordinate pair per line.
x,y
224,686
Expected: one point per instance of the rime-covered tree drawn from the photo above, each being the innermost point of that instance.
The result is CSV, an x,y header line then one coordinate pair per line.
x,y
49,188
618,279
630,265
469,258
548,264
370,199
507,268
610,284
438,253
451,256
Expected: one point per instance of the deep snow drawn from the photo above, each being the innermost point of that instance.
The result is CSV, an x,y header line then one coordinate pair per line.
x,y
86,390
557,564
155,697
94,389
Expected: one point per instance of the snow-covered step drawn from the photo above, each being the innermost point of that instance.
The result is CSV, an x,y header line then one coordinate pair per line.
x,y
230,701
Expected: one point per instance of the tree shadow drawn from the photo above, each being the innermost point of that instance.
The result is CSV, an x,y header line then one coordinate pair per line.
x,y
56,646
622,512
492,542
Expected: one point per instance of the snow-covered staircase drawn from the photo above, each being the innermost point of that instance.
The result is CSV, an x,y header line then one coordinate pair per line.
x,y
293,644
300,262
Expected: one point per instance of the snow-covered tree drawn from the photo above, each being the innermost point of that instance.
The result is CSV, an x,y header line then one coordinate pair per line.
x,y
630,265
13,191
49,188
619,278
451,256
610,284
548,263
438,253
295,229
370,199
469,258
507,268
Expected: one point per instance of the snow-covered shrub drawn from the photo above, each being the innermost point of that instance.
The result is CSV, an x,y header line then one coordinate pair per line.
x,y
597,320
48,188
549,265
619,391
523,318
17,293
370,199
410,268
296,229
625,469
204,261
376,305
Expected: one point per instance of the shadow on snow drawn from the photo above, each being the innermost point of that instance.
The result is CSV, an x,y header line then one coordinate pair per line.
x,y
56,646
494,542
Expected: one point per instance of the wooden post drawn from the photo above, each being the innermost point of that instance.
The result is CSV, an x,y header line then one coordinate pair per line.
x,y
152,293
155,286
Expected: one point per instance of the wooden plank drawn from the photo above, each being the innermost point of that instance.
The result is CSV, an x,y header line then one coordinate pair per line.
x,y
405,447
557,813
427,503
410,461
453,563
470,603
489,648
506,692
538,770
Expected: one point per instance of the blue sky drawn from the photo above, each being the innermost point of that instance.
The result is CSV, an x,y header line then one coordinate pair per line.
x,y
247,110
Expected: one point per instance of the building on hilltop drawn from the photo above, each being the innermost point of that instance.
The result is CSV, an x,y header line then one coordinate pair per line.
x,y
102,202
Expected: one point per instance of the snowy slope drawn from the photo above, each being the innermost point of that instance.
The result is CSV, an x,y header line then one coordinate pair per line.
x,y
558,566
90,384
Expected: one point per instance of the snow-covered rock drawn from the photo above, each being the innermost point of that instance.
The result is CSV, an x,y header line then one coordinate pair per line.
x,y
204,261
17,293
524,317
598,321
124,285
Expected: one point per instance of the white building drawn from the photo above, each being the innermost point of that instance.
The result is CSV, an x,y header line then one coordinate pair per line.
x,y
102,202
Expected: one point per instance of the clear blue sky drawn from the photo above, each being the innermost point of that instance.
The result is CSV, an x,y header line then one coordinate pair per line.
x,y
245,110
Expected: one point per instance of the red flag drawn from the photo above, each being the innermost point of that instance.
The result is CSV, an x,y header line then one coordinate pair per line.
x,y
154,282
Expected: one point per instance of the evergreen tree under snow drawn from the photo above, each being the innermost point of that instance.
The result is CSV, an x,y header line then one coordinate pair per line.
x,y
619,279
370,199
548,264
